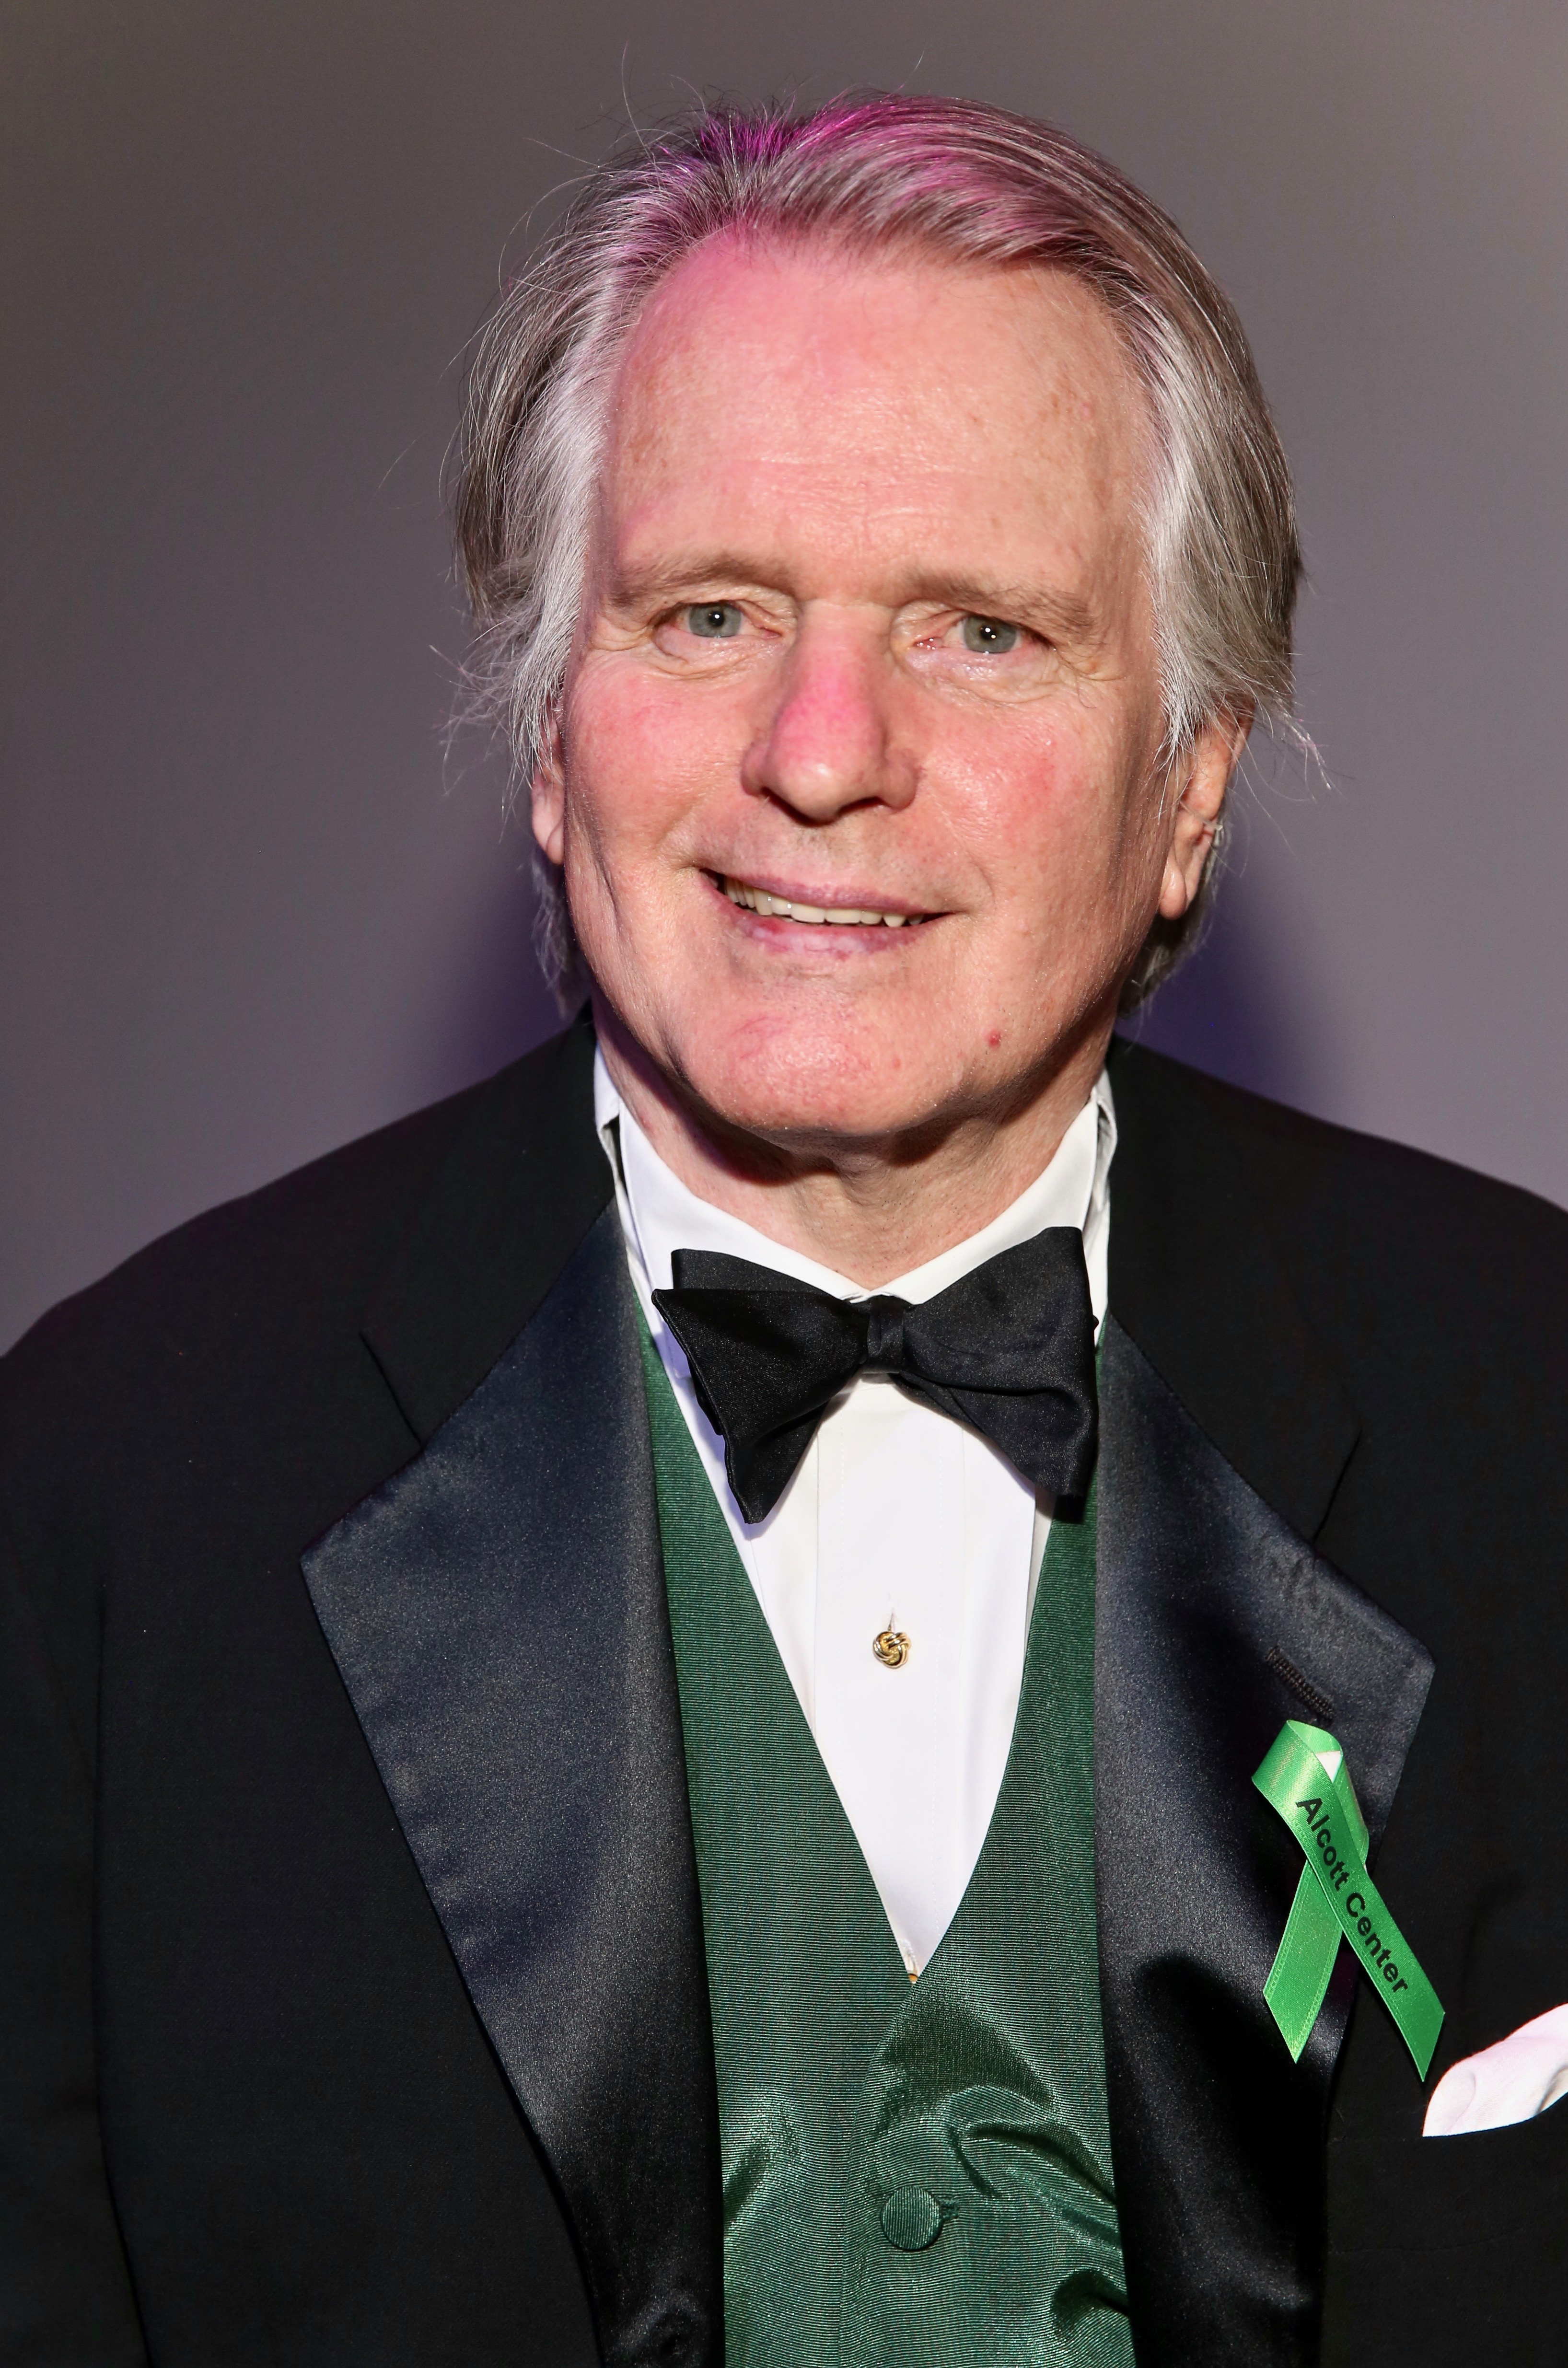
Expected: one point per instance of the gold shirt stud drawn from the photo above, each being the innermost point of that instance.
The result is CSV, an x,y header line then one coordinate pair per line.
x,y
891,1647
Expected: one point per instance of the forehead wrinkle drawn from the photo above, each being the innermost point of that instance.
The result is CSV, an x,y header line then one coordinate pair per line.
x,y
1090,394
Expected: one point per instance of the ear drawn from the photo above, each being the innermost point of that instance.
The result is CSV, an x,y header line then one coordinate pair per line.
x,y
1201,778
546,795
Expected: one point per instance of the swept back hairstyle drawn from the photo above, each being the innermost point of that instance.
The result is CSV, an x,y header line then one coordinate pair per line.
x,y
874,173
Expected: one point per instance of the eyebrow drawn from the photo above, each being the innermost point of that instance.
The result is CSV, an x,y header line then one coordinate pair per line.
x,y
1054,613
632,587
1066,614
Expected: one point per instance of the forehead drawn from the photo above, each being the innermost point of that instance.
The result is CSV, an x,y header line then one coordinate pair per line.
x,y
882,408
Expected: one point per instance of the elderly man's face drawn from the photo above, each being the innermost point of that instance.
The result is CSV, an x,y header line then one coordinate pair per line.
x,y
855,781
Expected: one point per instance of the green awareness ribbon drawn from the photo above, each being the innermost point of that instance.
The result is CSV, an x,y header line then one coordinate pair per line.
x,y
1304,1779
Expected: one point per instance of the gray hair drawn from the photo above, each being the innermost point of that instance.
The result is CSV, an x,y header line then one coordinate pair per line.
x,y
967,183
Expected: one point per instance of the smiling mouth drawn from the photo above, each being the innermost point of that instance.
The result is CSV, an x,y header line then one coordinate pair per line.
x,y
842,916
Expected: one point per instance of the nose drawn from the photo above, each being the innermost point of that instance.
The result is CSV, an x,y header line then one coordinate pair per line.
x,y
830,740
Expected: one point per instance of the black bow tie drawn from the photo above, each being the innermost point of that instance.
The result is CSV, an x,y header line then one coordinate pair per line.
x,y
1010,1348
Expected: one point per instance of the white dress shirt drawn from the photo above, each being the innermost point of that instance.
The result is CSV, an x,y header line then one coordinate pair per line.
x,y
898,1517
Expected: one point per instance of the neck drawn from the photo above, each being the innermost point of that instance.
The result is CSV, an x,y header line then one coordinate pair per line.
x,y
869,1209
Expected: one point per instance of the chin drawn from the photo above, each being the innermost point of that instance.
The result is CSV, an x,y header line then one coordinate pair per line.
x,y
792,1083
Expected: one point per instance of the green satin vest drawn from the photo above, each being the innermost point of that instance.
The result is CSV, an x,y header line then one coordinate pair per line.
x,y
915,2176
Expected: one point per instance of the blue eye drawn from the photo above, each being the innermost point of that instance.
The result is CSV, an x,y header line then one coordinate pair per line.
x,y
988,637
714,621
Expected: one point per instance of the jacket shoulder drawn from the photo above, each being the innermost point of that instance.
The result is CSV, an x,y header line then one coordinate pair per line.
x,y
1437,1297
321,1229
259,1280
1314,1292
1337,1198
225,1394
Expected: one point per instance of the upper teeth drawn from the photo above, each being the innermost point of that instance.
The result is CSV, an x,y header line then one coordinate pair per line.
x,y
757,900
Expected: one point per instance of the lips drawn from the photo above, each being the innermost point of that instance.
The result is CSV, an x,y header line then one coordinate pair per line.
x,y
787,908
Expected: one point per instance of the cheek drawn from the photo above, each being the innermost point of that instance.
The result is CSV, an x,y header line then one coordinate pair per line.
x,y
1054,812
1041,809
638,755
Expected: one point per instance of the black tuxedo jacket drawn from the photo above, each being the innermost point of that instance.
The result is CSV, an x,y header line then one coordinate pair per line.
x,y
352,2001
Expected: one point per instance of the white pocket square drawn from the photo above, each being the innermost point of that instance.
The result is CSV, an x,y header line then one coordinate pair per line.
x,y
1512,2081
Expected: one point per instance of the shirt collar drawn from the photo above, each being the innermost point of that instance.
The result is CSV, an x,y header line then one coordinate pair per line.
x,y
659,1215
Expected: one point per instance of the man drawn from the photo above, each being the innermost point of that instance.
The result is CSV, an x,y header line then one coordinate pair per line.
x,y
633,1707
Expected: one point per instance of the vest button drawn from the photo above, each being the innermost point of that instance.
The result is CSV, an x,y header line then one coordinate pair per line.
x,y
911,2219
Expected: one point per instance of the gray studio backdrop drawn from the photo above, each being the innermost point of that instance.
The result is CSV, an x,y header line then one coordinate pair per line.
x,y
246,911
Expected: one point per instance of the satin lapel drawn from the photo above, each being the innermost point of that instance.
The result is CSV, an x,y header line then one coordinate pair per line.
x,y
1217,2138
497,1612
